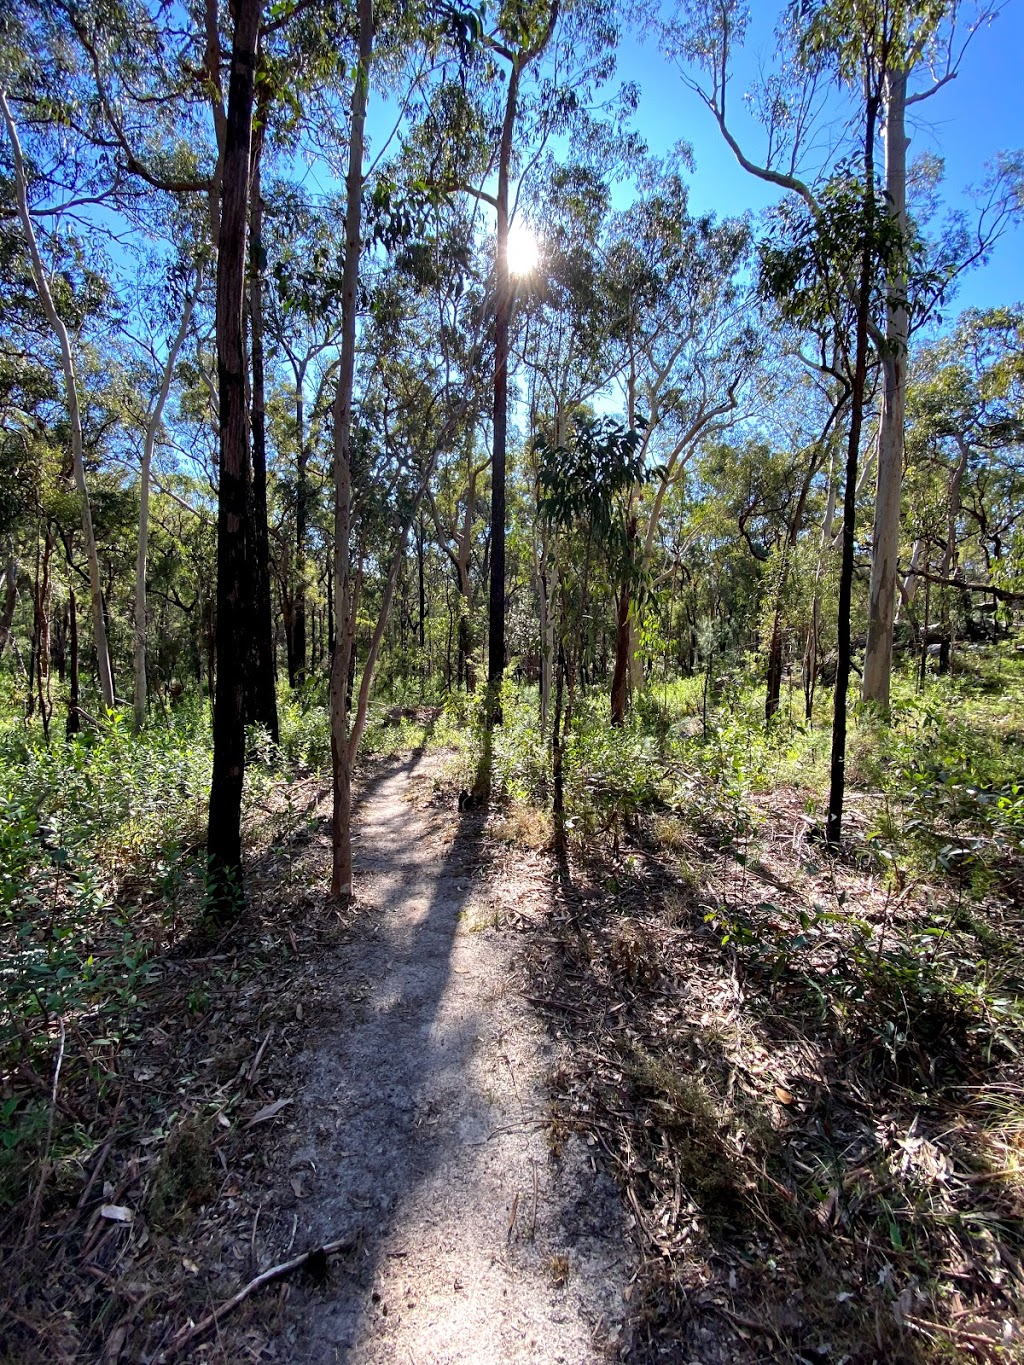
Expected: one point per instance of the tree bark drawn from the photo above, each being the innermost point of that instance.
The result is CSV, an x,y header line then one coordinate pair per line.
x,y
837,769
885,550
344,603
74,720
297,646
234,589
10,599
502,316
261,694
620,673
106,677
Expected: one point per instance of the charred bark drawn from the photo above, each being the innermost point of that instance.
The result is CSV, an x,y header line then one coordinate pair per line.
x,y
234,588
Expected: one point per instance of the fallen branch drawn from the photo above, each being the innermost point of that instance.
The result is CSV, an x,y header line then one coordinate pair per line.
x,y
316,1256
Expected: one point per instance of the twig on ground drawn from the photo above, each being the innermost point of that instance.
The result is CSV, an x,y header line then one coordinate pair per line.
x,y
32,1225
316,1256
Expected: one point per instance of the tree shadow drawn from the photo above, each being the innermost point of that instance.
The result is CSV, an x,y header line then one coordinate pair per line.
x,y
400,1108
802,1190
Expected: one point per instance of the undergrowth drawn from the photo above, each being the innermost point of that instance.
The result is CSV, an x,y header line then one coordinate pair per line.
x,y
804,1070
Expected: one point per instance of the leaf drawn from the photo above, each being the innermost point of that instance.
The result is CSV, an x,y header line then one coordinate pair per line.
x,y
117,1213
267,1112
784,1096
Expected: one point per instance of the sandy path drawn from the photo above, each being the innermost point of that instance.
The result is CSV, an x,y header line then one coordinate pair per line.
x,y
422,1128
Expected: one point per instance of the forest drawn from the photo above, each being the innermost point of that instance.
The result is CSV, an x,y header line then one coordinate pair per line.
x,y
429,536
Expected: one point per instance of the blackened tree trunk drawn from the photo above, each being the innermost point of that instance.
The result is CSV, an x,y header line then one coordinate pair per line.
x,y
234,587
624,632
422,582
773,680
837,773
344,589
519,61
74,720
261,694
297,643
502,315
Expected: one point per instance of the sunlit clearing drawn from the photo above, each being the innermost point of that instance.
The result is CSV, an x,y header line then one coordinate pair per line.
x,y
523,250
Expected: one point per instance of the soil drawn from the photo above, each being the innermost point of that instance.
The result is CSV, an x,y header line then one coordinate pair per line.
x,y
421,1133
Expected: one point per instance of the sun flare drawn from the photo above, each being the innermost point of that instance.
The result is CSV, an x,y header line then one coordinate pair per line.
x,y
523,250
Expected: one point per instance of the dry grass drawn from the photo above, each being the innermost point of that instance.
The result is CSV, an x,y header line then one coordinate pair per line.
x,y
165,1139
809,1096
525,826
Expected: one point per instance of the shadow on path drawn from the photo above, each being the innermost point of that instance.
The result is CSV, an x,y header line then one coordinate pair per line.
x,y
419,1130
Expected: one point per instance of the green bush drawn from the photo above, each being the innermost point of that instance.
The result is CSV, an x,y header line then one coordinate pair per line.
x,y
94,834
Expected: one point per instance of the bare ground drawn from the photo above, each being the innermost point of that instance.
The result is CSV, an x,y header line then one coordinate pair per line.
x,y
420,1133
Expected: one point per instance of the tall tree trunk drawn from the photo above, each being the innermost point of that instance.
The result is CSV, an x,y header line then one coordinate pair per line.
x,y
41,633
502,317
234,588
773,681
106,678
261,692
558,760
837,768
297,648
948,563
623,633
620,672
422,586
10,598
149,445
344,596
885,548
74,720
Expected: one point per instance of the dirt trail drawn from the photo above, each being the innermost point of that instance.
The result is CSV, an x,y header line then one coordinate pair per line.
x,y
422,1129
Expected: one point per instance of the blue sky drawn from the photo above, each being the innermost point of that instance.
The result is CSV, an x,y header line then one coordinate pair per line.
x,y
967,122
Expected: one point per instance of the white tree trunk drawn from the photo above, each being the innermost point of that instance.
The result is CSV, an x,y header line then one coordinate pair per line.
x,y
886,539
99,628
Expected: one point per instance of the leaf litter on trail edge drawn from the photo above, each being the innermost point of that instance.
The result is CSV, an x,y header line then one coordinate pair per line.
x,y
268,1111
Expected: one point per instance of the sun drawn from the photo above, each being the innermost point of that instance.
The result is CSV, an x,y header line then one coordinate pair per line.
x,y
523,250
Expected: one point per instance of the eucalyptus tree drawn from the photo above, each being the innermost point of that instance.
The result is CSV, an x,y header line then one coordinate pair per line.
x,y
587,485
182,284
27,390
422,363
519,39
687,348
444,334
857,43
566,345
532,75
840,235
965,466
224,833
302,254
49,293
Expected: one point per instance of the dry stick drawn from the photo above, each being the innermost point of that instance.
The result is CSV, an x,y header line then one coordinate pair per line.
x,y
32,1225
276,1272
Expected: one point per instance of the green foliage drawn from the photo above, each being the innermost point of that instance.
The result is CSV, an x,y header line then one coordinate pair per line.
x,y
614,772
96,834
584,481
305,731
